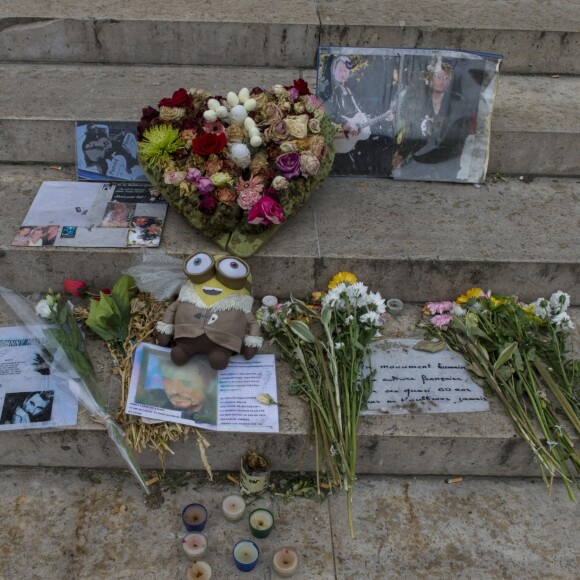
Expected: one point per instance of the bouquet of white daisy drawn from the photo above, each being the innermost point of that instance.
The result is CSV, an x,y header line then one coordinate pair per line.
x,y
327,343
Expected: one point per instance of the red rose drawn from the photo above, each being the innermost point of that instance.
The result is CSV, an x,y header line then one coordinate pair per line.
x,y
302,87
103,291
76,288
207,205
180,98
209,143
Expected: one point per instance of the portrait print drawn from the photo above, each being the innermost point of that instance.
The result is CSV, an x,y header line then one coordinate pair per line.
x,y
118,215
358,91
36,236
107,151
408,113
27,407
189,390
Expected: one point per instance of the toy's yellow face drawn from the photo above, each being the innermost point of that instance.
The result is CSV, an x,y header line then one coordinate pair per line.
x,y
217,277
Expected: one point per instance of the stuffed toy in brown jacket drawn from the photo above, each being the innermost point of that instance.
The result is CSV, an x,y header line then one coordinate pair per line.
x,y
213,313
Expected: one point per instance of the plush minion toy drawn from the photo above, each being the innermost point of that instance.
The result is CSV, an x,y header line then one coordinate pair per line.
x,y
213,313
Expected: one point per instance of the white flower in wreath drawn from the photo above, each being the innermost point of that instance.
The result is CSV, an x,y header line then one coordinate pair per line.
x,y
240,155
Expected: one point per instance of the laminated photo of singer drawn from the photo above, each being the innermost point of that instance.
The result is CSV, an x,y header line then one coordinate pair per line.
x,y
409,114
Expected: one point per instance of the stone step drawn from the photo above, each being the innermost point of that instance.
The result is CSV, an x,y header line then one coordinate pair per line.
x,y
95,524
420,444
534,37
413,240
535,127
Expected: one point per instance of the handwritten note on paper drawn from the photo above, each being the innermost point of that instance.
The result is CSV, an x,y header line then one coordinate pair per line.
x,y
412,381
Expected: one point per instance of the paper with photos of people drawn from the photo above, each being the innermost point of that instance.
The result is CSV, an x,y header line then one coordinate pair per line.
x,y
31,397
194,394
411,114
77,214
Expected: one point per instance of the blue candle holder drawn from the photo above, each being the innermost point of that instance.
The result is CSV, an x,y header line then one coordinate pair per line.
x,y
246,555
194,517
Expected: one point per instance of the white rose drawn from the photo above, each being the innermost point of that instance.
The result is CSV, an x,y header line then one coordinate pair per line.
x,y
43,309
279,182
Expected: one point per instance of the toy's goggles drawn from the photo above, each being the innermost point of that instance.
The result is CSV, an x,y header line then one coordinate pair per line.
x,y
231,272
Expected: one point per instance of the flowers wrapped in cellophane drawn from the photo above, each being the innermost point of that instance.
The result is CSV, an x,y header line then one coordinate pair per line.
x,y
52,324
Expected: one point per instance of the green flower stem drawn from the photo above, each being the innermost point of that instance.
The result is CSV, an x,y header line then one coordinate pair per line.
x,y
572,417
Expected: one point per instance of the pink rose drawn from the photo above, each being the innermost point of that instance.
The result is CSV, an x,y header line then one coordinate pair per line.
x,y
441,320
204,185
193,175
265,212
174,177
439,307
248,199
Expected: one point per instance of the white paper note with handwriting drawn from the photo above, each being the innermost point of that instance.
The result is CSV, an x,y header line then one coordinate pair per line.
x,y
413,381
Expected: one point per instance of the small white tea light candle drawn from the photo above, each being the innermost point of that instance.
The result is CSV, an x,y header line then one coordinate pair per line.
x,y
285,562
269,300
246,555
195,545
199,571
261,523
233,507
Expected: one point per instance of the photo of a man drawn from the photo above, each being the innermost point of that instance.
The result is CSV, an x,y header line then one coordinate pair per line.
x,y
433,123
107,150
358,91
413,114
190,389
29,407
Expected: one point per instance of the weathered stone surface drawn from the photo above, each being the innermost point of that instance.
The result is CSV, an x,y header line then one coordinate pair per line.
x,y
533,38
96,524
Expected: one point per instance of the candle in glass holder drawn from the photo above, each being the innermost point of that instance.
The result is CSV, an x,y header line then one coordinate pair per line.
x,y
246,555
233,507
198,571
194,517
261,523
285,562
195,545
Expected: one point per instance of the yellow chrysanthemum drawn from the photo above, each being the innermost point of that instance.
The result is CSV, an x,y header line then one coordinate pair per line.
x,y
496,301
346,277
472,293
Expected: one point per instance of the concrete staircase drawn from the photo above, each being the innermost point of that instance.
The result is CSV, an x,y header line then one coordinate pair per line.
x,y
418,241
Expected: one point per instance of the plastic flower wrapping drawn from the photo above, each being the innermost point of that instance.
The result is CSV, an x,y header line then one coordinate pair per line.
x,y
237,167
52,324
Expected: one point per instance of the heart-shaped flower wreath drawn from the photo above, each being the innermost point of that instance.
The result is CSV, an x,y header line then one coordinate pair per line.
x,y
237,167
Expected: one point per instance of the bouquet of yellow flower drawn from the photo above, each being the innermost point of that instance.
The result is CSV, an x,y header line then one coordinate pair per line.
x,y
238,166
327,343
520,352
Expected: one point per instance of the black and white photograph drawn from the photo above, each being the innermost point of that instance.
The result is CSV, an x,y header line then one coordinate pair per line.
x,y
27,407
107,151
31,395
